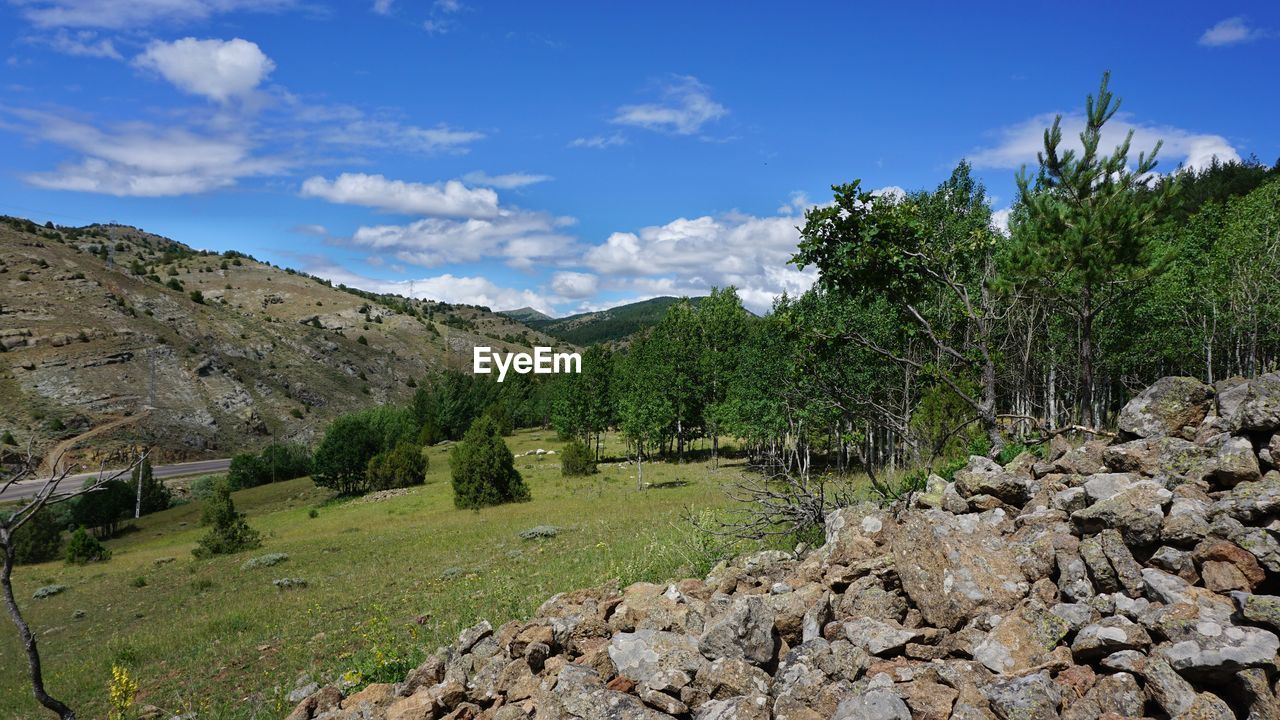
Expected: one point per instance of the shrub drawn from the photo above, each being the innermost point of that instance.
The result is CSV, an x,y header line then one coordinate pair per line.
x,y
483,469
228,532
362,340
197,297
85,548
276,462
401,466
48,591
102,510
174,284
8,438
268,560
155,494
202,487
38,540
576,460
341,461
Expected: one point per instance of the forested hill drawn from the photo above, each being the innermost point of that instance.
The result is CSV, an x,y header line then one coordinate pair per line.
x,y
142,339
602,326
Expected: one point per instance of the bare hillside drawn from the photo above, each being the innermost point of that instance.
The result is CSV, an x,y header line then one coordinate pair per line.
x,y
197,353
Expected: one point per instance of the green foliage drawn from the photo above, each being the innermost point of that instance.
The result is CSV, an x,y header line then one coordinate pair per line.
x,y
156,496
202,487
8,439
84,548
197,297
402,466
576,459
228,532
483,469
275,463
102,510
39,539
342,459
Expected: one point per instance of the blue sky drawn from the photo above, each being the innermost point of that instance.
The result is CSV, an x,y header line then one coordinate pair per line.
x,y
572,156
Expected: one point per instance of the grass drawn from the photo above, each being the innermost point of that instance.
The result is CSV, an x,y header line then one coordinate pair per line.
x,y
386,583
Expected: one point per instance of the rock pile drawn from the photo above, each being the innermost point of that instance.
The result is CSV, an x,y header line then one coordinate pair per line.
x,y
1133,578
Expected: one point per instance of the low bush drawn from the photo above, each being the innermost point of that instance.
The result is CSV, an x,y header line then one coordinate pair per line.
x,y
402,466
576,460
84,548
228,531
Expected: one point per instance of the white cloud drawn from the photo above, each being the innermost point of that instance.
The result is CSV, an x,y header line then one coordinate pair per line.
x,y
82,43
138,159
520,237
686,106
310,229
893,192
505,182
451,199
216,69
1019,143
1000,220
448,288
383,7
122,14
360,131
1232,31
575,285
598,142
690,256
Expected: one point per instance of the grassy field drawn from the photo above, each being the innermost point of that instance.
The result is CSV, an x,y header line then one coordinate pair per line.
x,y
387,581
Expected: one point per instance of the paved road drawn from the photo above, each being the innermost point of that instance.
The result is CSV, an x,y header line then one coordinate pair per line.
x,y
73,482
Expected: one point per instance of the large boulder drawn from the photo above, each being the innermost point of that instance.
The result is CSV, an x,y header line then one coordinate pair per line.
x,y
745,630
1170,457
1256,407
953,567
982,476
651,657
1022,639
1137,511
1172,406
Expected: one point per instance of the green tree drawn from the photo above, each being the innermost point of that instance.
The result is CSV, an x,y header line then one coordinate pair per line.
x,y
483,469
84,548
39,539
723,324
341,461
1082,231
402,466
644,410
228,532
151,495
102,509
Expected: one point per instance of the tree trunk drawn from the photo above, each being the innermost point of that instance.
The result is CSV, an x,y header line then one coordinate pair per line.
x,y
24,634
1086,360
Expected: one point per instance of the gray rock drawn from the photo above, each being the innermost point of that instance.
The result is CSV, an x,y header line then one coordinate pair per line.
x,y
754,707
1258,407
984,477
1235,462
1137,512
1166,408
745,630
878,638
1076,615
1187,522
1250,501
1127,570
1215,650
650,656
1104,486
1030,697
1109,635
1260,609
1169,457
1022,639
873,705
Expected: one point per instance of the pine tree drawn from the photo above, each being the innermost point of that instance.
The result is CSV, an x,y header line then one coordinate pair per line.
x,y
1081,233
483,469
228,531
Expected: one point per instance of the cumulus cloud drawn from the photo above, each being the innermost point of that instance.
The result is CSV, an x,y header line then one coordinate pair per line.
x,y
447,287
575,285
382,7
1019,143
520,237
124,14
598,142
686,106
1000,220
504,182
450,199
140,159
216,69
690,256
1232,31
82,43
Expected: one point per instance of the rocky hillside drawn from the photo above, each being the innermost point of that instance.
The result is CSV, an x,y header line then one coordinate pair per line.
x,y
1138,577
132,338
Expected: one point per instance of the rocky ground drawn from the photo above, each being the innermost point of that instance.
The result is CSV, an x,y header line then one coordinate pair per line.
x,y
1137,577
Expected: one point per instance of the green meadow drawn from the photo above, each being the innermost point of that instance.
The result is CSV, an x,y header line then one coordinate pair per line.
x,y
387,581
